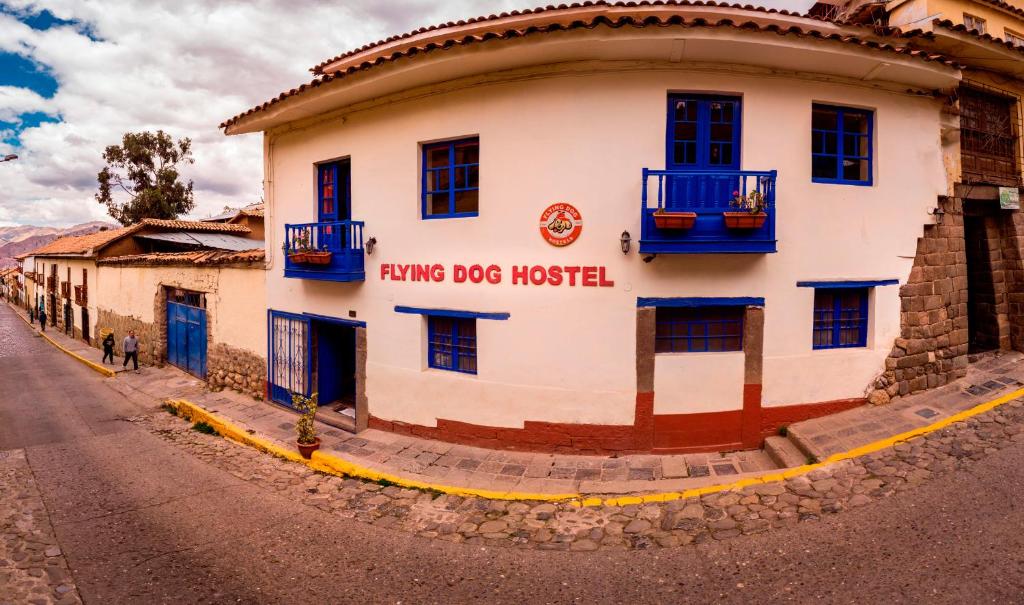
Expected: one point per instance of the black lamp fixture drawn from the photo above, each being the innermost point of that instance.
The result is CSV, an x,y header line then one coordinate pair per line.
x,y
624,241
937,213
370,243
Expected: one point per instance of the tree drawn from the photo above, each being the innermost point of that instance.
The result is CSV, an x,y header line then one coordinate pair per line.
x,y
145,166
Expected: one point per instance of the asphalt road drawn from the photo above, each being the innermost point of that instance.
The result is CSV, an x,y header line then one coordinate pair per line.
x,y
143,522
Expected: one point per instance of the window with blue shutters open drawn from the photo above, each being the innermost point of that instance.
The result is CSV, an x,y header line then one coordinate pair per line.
x,y
841,145
451,179
840,318
698,330
451,344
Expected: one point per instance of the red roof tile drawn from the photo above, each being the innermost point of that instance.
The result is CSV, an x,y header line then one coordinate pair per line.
x,y
88,244
614,21
196,258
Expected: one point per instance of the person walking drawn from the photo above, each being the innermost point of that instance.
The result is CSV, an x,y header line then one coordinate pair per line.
x,y
42,318
131,350
108,348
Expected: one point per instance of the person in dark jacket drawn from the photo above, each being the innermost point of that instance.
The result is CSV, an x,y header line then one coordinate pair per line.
x,y
42,319
108,348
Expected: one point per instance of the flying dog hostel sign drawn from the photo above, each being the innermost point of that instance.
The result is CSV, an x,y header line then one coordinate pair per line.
x,y
560,225
585,276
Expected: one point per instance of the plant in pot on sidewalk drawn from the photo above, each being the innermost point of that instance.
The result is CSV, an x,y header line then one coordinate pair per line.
x,y
307,440
751,214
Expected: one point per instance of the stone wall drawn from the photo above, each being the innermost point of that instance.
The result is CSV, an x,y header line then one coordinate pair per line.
x,y
151,347
237,369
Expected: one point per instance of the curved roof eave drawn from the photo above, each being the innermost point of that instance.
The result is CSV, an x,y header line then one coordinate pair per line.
x,y
677,18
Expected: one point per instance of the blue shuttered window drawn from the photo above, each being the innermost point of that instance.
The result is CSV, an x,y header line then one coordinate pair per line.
x,y
451,344
840,318
698,330
841,145
451,179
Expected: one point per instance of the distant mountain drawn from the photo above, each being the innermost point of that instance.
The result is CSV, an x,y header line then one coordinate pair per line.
x,y
25,238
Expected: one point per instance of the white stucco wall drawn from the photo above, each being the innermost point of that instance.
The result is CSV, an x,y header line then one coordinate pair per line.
x,y
568,354
234,298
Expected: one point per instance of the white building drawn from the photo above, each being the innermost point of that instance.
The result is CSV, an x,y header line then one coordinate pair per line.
x,y
497,276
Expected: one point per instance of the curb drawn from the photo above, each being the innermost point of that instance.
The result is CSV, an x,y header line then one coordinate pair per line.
x,y
92,365
336,466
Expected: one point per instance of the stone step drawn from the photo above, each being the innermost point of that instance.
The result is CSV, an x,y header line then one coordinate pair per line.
x,y
784,452
797,435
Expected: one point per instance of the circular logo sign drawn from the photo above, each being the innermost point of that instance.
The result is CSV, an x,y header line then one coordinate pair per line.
x,y
561,224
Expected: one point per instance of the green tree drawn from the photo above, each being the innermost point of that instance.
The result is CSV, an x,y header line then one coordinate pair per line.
x,y
145,166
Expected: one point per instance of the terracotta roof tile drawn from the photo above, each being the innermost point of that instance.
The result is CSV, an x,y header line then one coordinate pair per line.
x,y
961,29
197,258
613,21
80,244
191,226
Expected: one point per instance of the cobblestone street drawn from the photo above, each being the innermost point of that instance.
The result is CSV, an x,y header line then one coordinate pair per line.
x,y
145,509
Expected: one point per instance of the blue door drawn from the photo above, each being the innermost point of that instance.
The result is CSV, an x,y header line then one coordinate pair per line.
x,y
703,137
290,343
333,203
186,338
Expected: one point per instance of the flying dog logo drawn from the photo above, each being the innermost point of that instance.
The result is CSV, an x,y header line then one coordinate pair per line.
x,y
561,224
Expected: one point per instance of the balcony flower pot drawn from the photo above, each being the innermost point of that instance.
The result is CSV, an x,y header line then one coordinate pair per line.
x,y
299,258
674,220
318,257
744,220
306,449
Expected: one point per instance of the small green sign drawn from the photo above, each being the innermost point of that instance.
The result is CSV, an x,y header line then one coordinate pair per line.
x,y
1009,198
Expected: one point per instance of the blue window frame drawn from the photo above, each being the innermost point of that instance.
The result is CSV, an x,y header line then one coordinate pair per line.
x,y
840,318
698,330
334,191
451,179
841,145
703,132
451,343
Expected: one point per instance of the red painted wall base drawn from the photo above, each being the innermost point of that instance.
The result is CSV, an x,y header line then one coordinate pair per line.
x,y
661,433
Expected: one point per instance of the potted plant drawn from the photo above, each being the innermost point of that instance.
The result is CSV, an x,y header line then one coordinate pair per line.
x,y
752,213
318,257
307,440
664,219
298,248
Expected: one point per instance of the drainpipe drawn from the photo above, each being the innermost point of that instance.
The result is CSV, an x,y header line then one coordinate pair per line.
x,y
268,199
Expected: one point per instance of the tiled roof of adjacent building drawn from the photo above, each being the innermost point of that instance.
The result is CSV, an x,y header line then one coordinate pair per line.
x,y
197,258
598,17
87,244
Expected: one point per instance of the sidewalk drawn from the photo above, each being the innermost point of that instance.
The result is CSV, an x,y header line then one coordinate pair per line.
x,y
439,463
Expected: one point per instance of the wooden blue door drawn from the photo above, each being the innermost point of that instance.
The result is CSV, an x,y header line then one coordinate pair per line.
x,y
186,338
703,138
333,205
290,343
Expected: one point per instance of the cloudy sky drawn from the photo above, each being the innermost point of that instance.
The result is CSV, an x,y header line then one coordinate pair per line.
x,y
76,74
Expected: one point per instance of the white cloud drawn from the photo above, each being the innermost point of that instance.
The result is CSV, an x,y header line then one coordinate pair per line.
x,y
182,66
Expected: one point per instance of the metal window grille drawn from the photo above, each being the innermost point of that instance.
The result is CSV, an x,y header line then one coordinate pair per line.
x,y
700,330
451,344
451,178
840,318
841,145
990,125
289,342
186,297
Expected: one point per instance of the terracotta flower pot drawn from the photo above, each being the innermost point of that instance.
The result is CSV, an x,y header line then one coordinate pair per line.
x,y
320,257
297,257
674,220
307,449
744,220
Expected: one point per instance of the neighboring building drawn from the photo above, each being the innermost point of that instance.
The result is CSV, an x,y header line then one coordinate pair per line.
x,y
478,183
191,290
10,285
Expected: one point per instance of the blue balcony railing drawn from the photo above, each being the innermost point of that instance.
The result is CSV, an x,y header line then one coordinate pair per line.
x,y
307,247
707,194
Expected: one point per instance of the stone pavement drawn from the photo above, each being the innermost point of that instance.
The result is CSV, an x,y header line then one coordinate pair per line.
x,y
990,376
32,567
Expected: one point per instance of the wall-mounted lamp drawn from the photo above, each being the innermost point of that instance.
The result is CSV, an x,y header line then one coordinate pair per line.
x,y
937,213
624,241
370,244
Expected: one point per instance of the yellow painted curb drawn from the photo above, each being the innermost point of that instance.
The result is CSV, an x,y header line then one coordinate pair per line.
x,y
95,366
337,466
333,465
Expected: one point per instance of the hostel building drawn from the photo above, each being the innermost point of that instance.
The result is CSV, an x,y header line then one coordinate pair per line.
x,y
606,228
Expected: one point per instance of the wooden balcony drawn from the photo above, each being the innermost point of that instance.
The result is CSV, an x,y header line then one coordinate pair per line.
x,y
331,251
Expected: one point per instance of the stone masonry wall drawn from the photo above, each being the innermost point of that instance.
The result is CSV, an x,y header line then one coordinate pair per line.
x,y
151,348
932,348
237,369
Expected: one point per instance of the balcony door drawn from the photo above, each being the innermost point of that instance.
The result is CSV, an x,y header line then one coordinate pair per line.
x,y
703,136
334,187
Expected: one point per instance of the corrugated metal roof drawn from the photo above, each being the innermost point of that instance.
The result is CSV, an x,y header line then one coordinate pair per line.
x,y
220,241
